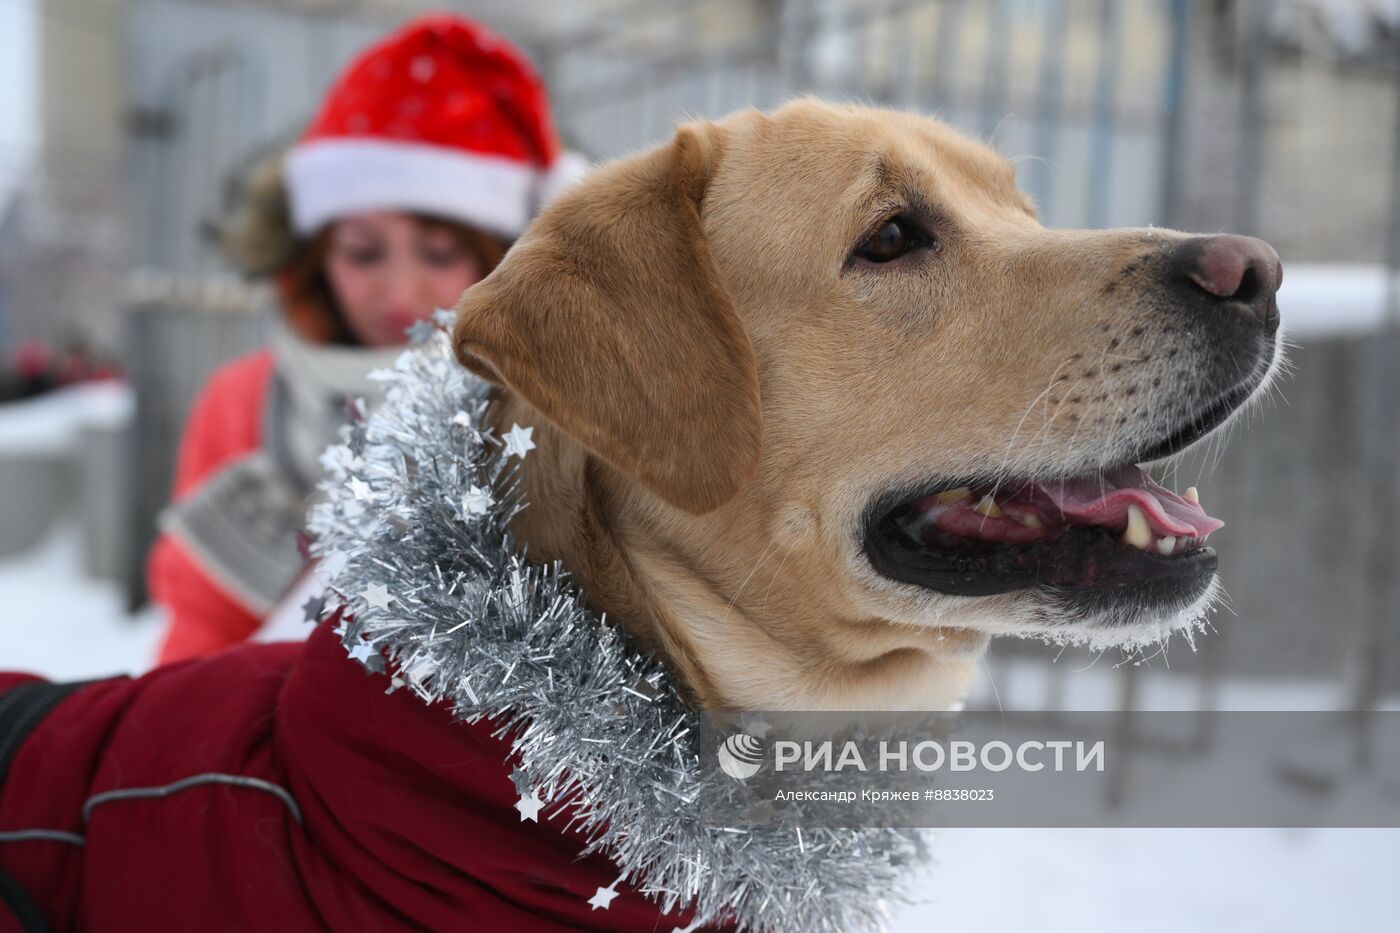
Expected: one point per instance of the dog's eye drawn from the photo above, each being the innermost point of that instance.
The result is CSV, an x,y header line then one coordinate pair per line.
x,y
895,237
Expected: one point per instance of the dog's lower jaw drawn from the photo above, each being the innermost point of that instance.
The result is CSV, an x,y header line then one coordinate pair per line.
x,y
1131,628
1135,629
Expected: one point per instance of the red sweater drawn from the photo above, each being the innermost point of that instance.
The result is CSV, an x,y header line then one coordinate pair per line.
x,y
224,423
395,816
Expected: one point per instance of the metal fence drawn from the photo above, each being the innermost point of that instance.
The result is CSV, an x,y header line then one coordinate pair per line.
x,y
1201,114
1052,80
1119,112
177,336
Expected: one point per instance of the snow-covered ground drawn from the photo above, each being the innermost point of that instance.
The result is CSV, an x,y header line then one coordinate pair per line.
x,y
54,622
1149,880
1087,681
1167,880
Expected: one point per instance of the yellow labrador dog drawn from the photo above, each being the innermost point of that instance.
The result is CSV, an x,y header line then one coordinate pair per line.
x,y
820,406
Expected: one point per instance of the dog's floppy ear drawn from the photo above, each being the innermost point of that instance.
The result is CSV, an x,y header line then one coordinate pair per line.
x,y
610,317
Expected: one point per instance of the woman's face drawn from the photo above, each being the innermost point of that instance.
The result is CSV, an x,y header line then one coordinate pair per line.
x,y
389,270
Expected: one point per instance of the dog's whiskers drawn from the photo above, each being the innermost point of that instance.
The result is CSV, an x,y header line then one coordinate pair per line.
x,y
739,592
774,578
1002,470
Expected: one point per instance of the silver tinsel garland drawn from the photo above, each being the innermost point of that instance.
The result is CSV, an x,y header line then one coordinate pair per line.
x,y
412,537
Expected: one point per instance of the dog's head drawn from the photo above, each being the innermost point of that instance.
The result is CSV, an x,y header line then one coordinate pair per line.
x,y
842,332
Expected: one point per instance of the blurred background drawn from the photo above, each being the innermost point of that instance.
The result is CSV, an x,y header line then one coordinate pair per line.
x,y
123,124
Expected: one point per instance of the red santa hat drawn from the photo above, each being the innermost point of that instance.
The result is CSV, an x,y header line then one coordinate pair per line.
x,y
443,117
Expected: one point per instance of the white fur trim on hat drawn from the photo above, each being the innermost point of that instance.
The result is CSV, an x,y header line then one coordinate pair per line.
x,y
332,178
568,168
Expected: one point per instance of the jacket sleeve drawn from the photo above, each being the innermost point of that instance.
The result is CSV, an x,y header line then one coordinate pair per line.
x,y
18,911
40,847
202,617
225,422
169,857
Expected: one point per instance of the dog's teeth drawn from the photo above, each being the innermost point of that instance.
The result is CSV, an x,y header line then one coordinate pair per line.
x,y
953,495
987,507
1030,521
1139,533
1191,495
1166,545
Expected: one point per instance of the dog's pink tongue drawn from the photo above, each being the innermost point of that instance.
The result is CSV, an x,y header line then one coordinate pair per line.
x,y
1104,501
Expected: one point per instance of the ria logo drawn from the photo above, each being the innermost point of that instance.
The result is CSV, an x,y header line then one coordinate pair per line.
x,y
741,755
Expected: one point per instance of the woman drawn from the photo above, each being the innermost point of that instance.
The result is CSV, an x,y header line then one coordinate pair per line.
x,y
429,154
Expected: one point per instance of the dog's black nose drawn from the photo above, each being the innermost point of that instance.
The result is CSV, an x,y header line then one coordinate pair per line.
x,y
1235,269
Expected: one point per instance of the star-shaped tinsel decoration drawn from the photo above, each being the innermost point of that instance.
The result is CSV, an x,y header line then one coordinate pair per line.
x,y
312,609
359,488
521,780
603,897
518,442
377,595
420,331
444,317
529,807
363,652
477,501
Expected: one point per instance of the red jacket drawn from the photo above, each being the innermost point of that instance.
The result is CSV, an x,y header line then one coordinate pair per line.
x,y
373,811
224,423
